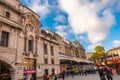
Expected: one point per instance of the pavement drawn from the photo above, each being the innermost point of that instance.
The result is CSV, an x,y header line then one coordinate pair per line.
x,y
89,77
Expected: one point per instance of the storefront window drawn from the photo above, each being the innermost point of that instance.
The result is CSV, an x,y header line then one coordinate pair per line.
x,y
30,69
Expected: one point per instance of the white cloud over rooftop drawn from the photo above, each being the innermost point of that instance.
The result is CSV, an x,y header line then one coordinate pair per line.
x,y
93,18
61,30
89,20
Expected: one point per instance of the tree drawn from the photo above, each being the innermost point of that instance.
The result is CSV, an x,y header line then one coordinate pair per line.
x,y
99,52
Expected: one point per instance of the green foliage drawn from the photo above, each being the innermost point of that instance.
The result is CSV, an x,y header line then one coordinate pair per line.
x,y
99,51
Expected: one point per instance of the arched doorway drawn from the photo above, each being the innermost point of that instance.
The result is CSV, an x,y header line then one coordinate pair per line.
x,y
5,71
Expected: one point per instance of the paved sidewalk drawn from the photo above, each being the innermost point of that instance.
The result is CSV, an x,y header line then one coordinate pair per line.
x,y
89,77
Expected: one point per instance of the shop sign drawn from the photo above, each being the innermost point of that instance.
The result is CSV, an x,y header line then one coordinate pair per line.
x,y
30,71
5,74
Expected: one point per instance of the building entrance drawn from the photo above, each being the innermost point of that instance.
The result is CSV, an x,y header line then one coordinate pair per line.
x,y
29,69
4,71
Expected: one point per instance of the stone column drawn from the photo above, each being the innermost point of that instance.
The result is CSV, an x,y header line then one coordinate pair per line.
x,y
0,35
36,45
27,45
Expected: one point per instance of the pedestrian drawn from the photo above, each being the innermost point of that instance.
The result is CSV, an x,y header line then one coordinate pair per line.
x,y
46,76
55,77
108,74
101,73
72,73
25,77
80,72
85,72
63,75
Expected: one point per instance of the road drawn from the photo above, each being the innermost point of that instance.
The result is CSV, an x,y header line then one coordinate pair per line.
x,y
89,77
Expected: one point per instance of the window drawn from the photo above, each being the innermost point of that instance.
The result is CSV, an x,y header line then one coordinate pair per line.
x,y
53,71
46,71
30,45
25,40
45,49
7,14
4,39
45,60
52,50
52,61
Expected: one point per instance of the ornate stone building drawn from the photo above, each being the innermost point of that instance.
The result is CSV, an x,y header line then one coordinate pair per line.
x,y
72,55
19,41
114,51
25,49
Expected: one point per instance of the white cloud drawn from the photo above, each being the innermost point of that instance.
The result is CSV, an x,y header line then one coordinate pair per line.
x,y
60,29
92,47
40,8
81,37
116,43
93,18
60,18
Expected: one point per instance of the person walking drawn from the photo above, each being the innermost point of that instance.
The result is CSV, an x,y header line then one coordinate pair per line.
x,y
46,76
63,75
101,73
108,74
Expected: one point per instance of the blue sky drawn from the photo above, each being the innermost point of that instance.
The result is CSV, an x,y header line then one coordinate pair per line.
x,y
91,22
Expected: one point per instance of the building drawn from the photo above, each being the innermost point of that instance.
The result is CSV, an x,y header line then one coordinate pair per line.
x,y
88,55
50,43
114,51
112,58
19,39
26,51
72,55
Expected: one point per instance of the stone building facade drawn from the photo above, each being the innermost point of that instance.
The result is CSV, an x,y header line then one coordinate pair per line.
x,y
26,51
114,51
19,40
50,45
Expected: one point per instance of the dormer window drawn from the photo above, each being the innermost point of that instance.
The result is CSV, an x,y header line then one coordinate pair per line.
x,y
7,14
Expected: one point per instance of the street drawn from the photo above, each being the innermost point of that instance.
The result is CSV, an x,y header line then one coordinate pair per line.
x,y
89,77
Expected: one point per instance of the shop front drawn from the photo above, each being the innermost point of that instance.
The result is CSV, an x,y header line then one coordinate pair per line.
x,y
30,69
4,71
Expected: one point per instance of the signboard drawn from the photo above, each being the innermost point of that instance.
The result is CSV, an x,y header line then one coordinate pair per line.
x,y
5,74
29,72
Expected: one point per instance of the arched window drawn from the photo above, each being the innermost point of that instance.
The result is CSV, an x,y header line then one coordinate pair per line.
x,y
30,44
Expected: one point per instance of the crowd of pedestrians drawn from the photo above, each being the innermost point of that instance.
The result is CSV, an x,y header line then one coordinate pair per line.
x,y
66,73
105,73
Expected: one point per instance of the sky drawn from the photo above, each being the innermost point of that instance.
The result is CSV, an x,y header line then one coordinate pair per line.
x,y
91,22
